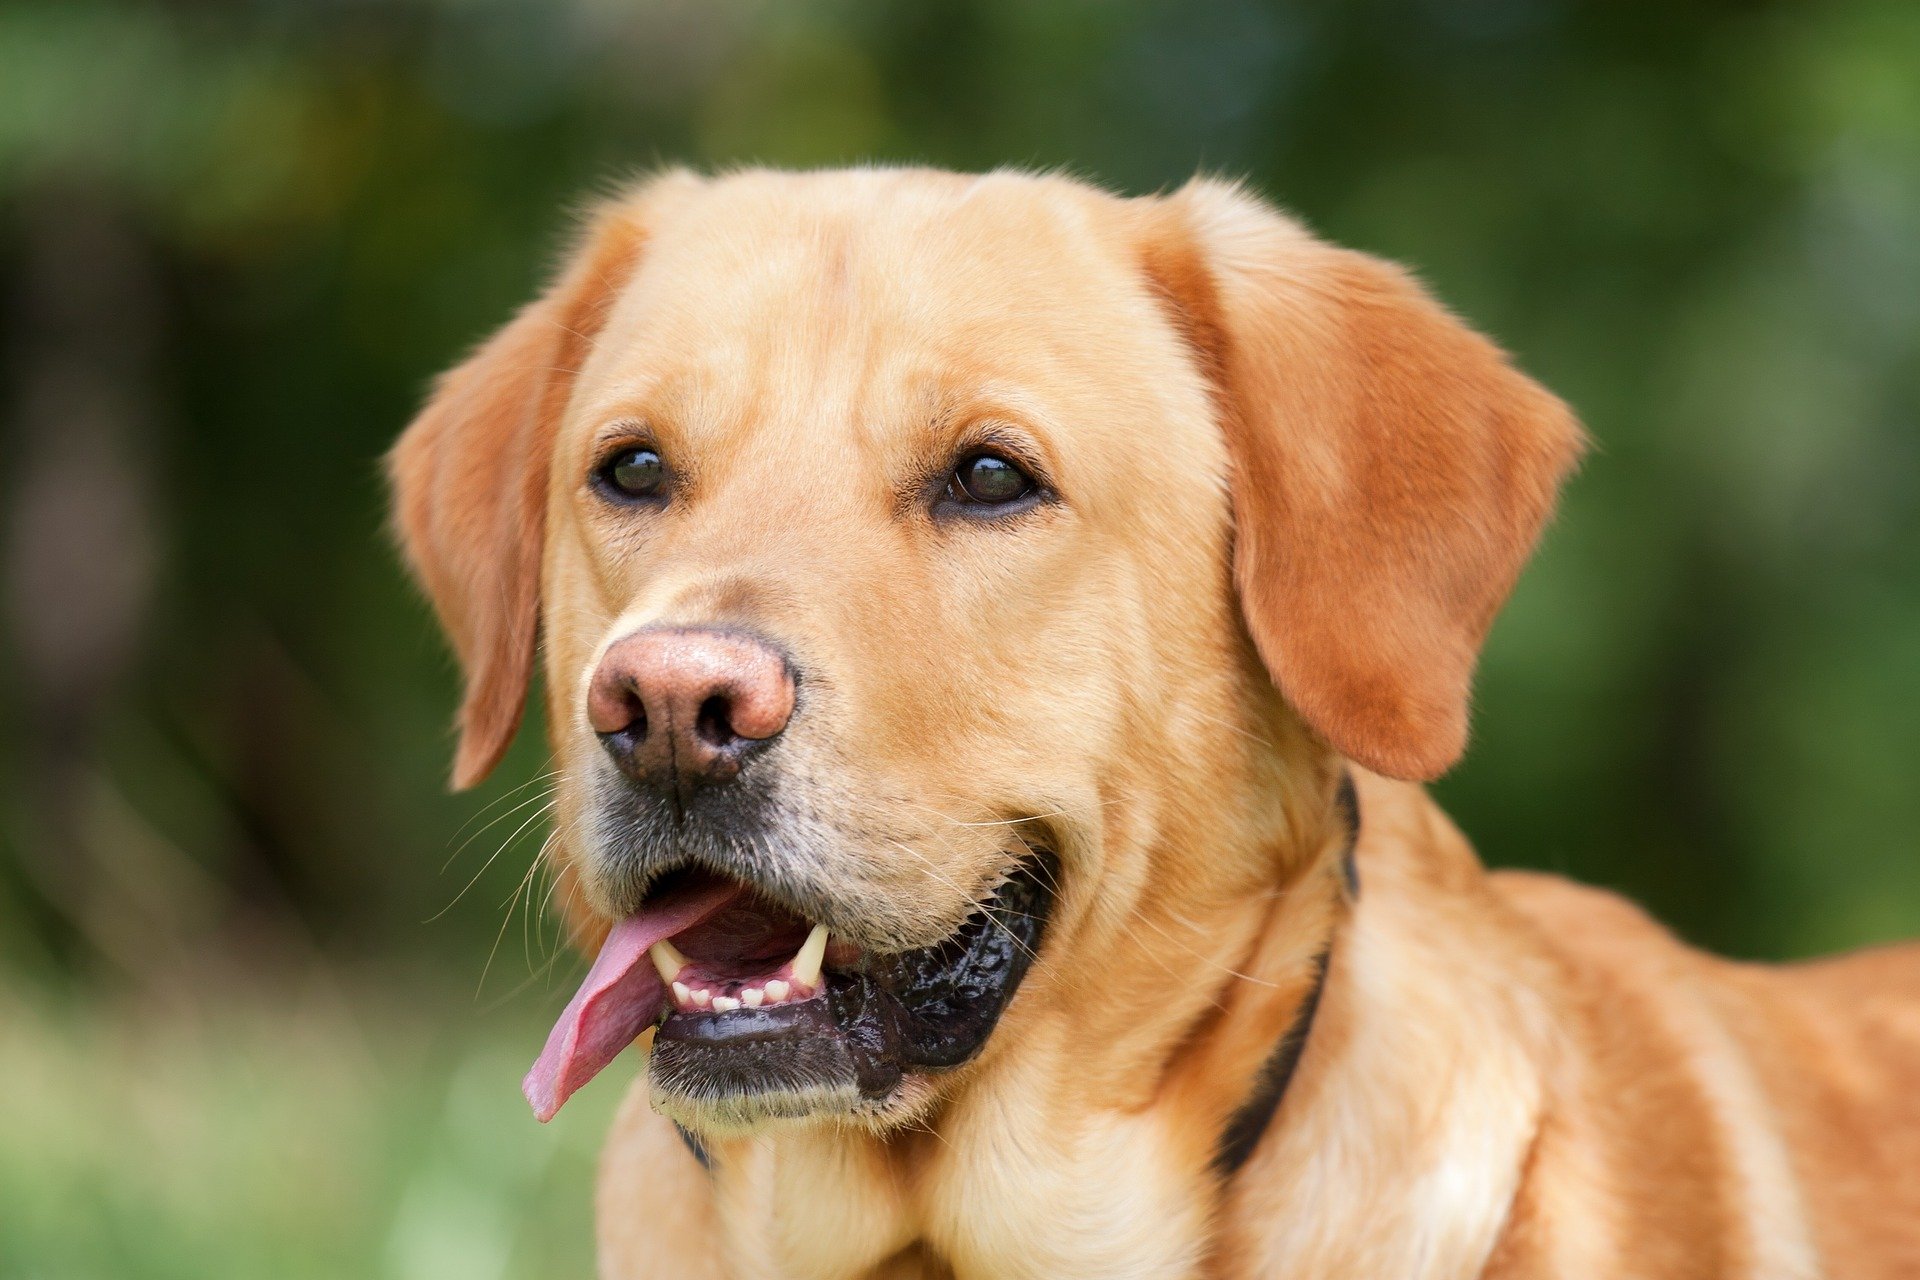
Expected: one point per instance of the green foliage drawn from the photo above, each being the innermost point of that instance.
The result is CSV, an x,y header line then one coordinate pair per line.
x,y
237,238
283,1135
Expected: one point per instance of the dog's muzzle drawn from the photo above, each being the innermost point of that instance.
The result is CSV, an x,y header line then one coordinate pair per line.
x,y
762,1014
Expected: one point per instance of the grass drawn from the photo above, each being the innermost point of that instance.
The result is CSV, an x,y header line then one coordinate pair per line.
x,y
287,1133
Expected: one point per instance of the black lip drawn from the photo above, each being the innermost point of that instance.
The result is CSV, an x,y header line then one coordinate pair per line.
x,y
928,1009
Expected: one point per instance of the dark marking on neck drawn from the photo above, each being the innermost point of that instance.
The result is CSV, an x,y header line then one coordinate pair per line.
x,y
1249,1122
696,1146
1347,798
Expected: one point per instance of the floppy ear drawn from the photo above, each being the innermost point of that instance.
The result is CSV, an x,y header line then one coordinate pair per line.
x,y
469,479
1391,471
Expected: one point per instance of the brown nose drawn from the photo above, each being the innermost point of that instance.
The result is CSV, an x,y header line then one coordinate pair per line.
x,y
675,708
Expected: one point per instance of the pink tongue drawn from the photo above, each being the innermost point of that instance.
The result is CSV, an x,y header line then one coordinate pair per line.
x,y
620,998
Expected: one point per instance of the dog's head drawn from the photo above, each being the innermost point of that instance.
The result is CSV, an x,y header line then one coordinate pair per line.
x,y
931,571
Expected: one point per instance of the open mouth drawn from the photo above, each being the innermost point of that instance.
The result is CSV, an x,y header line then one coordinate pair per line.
x,y
762,1013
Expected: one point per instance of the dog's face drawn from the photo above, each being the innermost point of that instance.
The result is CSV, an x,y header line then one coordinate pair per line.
x,y
893,450
908,548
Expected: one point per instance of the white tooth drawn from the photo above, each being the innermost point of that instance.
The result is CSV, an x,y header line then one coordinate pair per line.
x,y
701,997
725,1004
667,959
752,997
777,990
682,994
806,965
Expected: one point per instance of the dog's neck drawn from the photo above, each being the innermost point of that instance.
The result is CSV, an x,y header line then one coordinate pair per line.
x,y
1249,1122
1402,1142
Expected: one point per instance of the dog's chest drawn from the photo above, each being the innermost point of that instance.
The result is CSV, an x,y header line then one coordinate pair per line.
x,y
984,1198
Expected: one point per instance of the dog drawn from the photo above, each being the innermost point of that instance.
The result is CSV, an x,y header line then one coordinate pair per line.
x,y
994,633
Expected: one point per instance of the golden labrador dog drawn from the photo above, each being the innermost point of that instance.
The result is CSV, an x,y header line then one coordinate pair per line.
x,y
994,632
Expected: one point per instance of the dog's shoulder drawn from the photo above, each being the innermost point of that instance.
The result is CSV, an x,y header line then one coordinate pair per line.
x,y
1786,1094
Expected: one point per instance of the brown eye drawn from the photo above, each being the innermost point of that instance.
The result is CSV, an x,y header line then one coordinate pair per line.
x,y
988,480
633,473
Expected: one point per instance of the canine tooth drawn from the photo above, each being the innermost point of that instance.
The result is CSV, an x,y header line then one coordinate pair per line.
x,y
725,1004
806,965
752,997
682,994
667,959
702,997
777,990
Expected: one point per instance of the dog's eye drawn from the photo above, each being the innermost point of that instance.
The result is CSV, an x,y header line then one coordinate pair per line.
x,y
988,480
633,473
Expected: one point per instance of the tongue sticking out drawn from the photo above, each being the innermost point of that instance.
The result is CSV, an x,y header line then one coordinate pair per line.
x,y
620,998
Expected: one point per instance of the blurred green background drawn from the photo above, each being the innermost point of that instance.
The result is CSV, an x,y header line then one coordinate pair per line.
x,y
266,991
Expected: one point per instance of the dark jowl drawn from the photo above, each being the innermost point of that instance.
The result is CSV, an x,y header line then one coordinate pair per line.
x,y
756,1005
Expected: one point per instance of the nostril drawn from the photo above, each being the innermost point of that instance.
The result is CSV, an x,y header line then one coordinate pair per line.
x,y
714,722
634,711
617,711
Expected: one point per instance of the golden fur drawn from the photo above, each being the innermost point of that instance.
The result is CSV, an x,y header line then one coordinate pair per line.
x,y
1295,492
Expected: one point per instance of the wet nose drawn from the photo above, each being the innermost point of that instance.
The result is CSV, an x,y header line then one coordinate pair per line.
x,y
680,707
